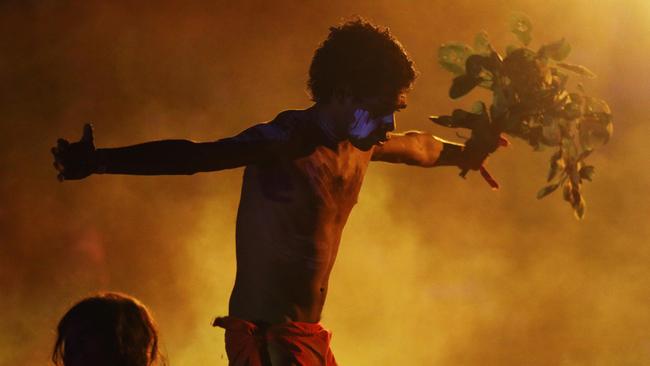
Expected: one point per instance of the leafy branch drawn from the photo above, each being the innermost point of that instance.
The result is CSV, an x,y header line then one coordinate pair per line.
x,y
531,101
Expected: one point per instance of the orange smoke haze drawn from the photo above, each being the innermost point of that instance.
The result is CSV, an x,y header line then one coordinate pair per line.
x,y
432,269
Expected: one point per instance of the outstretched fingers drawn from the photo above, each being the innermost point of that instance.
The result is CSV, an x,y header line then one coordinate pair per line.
x,y
87,135
62,144
73,160
57,151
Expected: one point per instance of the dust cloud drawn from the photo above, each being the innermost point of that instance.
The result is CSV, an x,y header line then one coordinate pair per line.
x,y
432,269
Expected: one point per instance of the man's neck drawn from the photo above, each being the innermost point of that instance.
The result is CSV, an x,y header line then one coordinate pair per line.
x,y
326,118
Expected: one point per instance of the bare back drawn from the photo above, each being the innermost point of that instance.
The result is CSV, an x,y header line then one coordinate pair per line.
x,y
289,225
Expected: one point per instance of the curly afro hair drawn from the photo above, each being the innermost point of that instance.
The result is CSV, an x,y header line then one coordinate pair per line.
x,y
107,329
361,59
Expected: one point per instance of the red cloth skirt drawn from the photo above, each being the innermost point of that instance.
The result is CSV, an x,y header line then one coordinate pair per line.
x,y
291,343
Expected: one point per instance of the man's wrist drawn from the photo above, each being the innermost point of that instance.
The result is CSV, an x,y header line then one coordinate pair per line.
x,y
100,161
451,154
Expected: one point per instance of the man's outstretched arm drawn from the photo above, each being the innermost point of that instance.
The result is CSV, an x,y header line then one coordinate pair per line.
x,y
170,157
425,150
419,149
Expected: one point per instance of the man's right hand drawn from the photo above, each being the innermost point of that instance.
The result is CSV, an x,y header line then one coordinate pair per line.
x,y
476,152
75,160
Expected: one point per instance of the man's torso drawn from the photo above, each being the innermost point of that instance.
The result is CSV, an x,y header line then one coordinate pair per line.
x,y
291,216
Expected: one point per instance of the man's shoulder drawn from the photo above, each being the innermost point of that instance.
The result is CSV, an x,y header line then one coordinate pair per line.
x,y
293,117
294,123
279,128
299,128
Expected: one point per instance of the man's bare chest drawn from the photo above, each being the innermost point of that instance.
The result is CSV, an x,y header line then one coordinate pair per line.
x,y
333,177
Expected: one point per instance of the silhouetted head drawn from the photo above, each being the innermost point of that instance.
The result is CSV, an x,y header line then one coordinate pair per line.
x,y
361,66
108,329
361,60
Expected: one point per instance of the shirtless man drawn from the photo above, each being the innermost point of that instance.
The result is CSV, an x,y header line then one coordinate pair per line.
x,y
303,174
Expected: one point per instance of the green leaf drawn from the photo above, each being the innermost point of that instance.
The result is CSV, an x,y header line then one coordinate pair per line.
x,y
557,51
510,49
465,119
595,130
452,57
462,85
445,121
458,119
569,149
525,38
535,137
578,69
475,64
579,208
596,126
551,134
587,172
566,191
561,77
499,105
575,194
530,100
577,98
553,173
574,176
554,165
583,155
547,190
482,43
495,65
487,84
596,105
572,110
478,107
521,26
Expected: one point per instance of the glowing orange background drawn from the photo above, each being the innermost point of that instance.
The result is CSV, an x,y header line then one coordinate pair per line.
x,y
432,269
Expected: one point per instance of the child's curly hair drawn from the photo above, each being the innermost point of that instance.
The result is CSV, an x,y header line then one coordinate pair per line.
x,y
362,59
112,326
